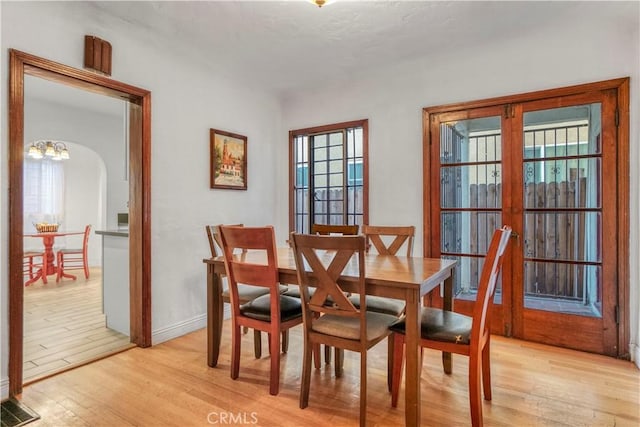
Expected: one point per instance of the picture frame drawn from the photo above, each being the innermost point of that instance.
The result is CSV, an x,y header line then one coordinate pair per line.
x,y
228,158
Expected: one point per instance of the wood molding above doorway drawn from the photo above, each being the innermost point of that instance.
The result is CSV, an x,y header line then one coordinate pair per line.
x,y
21,64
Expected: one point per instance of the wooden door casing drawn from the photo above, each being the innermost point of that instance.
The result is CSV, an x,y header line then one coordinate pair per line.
x,y
22,64
609,335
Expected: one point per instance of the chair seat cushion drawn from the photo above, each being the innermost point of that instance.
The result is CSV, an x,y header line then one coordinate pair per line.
x,y
248,292
260,308
294,291
349,327
441,325
383,305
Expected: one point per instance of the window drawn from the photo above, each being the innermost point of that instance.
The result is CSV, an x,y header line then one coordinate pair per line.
x,y
328,175
43,192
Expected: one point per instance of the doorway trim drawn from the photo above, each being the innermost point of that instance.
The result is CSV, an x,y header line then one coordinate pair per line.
x,y
21,64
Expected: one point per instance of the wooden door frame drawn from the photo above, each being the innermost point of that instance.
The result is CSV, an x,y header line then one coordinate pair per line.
x,y
21,64
621,86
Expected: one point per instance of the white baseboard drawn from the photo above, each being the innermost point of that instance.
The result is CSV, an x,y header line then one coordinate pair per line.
x,y
635,354
4,388
185,327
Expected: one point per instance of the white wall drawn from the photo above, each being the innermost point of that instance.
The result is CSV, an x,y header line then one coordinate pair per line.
x,y
84,174
186,102
577,51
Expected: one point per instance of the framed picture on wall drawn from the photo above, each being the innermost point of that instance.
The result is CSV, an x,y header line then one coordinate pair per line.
x,y
228,160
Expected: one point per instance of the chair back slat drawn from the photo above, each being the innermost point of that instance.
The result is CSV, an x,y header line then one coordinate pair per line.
x,y
328,229
488,281
213,237
399,234
85,240
239,270
320,261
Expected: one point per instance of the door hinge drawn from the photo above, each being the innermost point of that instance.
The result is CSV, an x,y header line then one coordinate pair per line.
x,y
509,111
616,313
617,117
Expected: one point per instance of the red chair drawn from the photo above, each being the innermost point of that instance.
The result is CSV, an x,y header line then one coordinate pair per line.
x,y
34,269
273,313
74,259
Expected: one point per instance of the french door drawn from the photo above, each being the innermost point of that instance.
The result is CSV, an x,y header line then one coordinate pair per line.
x,y
549,166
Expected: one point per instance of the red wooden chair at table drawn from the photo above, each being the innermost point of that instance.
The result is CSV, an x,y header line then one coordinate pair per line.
x,y
73,259
274,312
246,293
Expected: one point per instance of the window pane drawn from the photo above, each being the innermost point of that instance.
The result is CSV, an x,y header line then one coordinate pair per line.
x,y
319,167
336,166
319,141
473,140
336,180
563,183
466,278
336,138
562,132
320,154
563,288
471,186
335,152
570,236
468,232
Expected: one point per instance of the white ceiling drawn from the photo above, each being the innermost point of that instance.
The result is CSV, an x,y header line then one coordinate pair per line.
x,y
285,46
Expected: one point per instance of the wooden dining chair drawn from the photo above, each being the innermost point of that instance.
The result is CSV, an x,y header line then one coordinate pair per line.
x,y
34,267
245,293
455,333
274,312
74,259
328,230
388,241
320,261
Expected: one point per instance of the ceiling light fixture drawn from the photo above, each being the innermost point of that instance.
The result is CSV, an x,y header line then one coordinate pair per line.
x,y
53,150
321,3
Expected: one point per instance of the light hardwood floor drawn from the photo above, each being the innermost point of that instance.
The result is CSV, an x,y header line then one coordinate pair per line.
x,y
64,325
171,385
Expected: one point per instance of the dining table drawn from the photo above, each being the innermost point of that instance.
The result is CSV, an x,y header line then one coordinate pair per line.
x,y
48,240
404,278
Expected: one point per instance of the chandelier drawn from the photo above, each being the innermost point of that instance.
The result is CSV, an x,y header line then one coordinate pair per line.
x,y
53,150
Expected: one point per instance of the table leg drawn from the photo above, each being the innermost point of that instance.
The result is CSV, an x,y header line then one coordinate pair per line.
x,y
413,368
50,259
35,278
447,361
215,312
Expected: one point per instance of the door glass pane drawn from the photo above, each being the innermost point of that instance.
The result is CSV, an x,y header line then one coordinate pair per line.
x,y
563,210
471,186
468,270
470,196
